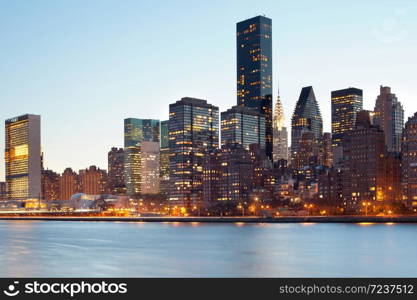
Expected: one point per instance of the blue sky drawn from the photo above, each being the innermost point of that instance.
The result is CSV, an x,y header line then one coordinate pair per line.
x,y
86,65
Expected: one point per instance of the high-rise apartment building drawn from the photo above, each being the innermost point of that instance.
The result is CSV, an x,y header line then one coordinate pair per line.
x,y
23,157
68,184
363,165
409,162
228,174
242,125
389,116
193,131
254,69
93,181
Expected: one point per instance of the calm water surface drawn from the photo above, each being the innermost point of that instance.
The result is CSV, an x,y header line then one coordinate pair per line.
x,y
111,249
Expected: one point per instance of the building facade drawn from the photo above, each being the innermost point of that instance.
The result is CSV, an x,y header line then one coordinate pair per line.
x,y
409,162
115,165
68,184
346,103
254,69
228,174
149,167
138,130
50,185
244,126
23,157
164,158
306,117
363,166
93,181
389,116
193,131
132,170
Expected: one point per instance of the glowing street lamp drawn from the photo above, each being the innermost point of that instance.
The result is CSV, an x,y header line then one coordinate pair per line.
x,y
366,204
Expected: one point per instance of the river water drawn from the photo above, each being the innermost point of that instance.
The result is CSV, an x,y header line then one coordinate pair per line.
x,y
112,249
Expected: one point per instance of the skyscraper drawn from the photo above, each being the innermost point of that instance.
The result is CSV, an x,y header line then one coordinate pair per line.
x,y
389,116
363,165
149,167
326,154
132,168
138,130
243,125
306,117
228,174
164,158
346,103
23,157
409,162
254,69
193,130
115,165
280,135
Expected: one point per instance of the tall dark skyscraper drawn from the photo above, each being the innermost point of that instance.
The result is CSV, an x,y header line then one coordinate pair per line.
x,y
193,131
254,69
346,104
306,117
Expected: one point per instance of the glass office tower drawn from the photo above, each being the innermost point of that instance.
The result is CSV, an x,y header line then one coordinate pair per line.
x,y
244,126
23,157
254,69
138,130
346,104
193,131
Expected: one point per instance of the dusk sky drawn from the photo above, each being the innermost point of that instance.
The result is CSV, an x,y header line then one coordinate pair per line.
x,y
85,65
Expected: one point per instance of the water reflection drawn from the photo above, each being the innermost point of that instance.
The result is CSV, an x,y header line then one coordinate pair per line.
x,y
173,249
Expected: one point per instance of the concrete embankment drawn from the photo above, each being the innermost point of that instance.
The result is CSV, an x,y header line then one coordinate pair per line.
x,y
309,219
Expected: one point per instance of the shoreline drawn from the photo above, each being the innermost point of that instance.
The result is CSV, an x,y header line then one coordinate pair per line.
x,y
291,219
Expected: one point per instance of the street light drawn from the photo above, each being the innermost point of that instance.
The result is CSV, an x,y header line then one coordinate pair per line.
x,y
240,206
366,204
308,206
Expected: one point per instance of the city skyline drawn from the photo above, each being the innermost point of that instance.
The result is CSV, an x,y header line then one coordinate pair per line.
x,y
82,149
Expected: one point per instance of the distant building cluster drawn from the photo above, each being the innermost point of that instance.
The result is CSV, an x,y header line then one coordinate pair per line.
x,y
200,158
